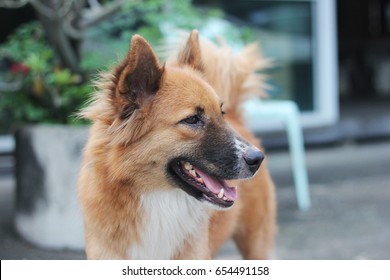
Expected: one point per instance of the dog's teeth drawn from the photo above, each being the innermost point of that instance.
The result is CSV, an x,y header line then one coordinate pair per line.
x,y
221,193
192,172
200,180
188,166
224,198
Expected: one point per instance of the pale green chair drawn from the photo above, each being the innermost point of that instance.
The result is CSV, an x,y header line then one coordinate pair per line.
x,y
286,112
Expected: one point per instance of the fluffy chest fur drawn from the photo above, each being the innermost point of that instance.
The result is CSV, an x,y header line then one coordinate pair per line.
x,y
170,217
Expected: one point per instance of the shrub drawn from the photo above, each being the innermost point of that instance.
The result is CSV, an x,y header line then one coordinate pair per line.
x,y
36,89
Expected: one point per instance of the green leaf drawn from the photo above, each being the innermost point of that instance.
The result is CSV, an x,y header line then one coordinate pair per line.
x,y
62,77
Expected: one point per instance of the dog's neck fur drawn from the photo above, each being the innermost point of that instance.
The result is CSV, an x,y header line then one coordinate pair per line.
x,y
170,219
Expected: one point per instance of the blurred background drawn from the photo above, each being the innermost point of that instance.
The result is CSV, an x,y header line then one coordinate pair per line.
x,y
331,57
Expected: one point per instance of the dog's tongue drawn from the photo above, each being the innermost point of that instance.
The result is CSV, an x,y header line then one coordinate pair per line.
x,y
216,185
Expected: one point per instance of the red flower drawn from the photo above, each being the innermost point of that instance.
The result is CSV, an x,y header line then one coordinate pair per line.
x,y
19,68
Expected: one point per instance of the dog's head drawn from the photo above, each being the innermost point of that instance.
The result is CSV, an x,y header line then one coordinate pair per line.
x,y
169,127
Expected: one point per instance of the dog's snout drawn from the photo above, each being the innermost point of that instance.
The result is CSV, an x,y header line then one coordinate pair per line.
x,y
253,159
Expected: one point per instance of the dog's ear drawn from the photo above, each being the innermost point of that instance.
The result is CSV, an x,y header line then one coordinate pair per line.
x,y
139,76
191,54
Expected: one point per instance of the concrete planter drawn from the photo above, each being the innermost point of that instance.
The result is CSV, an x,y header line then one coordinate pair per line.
x,y
47,165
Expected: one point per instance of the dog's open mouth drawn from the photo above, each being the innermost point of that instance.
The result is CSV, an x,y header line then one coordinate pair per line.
x,y
202,185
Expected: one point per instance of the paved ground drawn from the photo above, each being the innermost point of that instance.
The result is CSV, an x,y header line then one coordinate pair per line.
x,y
349,219
351,205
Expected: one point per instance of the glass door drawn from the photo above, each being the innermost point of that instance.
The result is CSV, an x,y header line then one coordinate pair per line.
x,y
300,37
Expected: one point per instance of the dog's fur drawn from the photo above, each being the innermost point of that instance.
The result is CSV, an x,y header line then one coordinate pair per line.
x,y
148,118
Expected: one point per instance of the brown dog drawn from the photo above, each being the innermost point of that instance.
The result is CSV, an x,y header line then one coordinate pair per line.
x,y
162,160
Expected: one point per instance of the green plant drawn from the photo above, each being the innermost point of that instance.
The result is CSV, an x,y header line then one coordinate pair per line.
x,y
43,91
156,20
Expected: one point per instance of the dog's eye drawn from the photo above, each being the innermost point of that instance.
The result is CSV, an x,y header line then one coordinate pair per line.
x,y
193,121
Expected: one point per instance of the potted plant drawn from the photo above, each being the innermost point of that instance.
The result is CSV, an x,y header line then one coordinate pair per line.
x,y
38,99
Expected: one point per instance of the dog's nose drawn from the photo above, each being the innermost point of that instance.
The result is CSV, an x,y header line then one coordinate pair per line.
x,y
253,159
